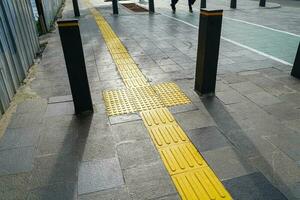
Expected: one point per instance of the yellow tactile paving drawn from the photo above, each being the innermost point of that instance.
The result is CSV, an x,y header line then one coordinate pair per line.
x,y
190,173
157,117
180,158
164,136
200,184
118,102
136,82
171,94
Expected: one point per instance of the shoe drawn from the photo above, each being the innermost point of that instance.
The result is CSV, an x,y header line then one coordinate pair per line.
x,y
173,8
190,8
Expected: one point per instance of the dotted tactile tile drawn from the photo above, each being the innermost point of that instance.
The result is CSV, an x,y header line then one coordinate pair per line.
x,y
118,102
171,94
181,158
130,100
145,98
198,184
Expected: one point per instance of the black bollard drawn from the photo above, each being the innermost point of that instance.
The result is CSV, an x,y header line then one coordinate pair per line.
x,y
151,6
115,7
233,4
296,67
208,50
72,47
262,3
203,4
76,8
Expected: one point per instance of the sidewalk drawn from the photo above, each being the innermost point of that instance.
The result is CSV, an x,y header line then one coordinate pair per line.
x,y
249,134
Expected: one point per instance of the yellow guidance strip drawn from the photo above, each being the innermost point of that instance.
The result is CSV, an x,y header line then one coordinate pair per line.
x,y
190,173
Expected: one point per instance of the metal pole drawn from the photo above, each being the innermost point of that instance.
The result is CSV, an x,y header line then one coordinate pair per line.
x,y
203,4
151,6
262,3
73,52
208,50
42,20
76,8
233,4
115,7
296,67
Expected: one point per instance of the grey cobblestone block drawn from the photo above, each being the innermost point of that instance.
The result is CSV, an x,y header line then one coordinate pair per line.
x,y
59,191
99,175
208,138
17,160
253,186
134,153
227,163
143,180
119,193
20,137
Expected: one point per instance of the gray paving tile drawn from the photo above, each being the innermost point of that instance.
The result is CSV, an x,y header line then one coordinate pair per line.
x,y
293,124
283,111
230,97
288,142
208,138
170,68
170,197
68,145
124,118
17,160
19,137
119,193
183,108
227,163
33,105
23,120
53,169
98,148
194,119
56,109
253,186
60,99
263,98
99,175
59,191
14,186
134,153
246,87
129,131
149,181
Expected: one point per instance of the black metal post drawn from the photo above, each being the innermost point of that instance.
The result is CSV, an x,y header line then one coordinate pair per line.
x,y
296,67
262,3
42,20
76,8
233,4
73,52
208,50
151,6
203,4
115,7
